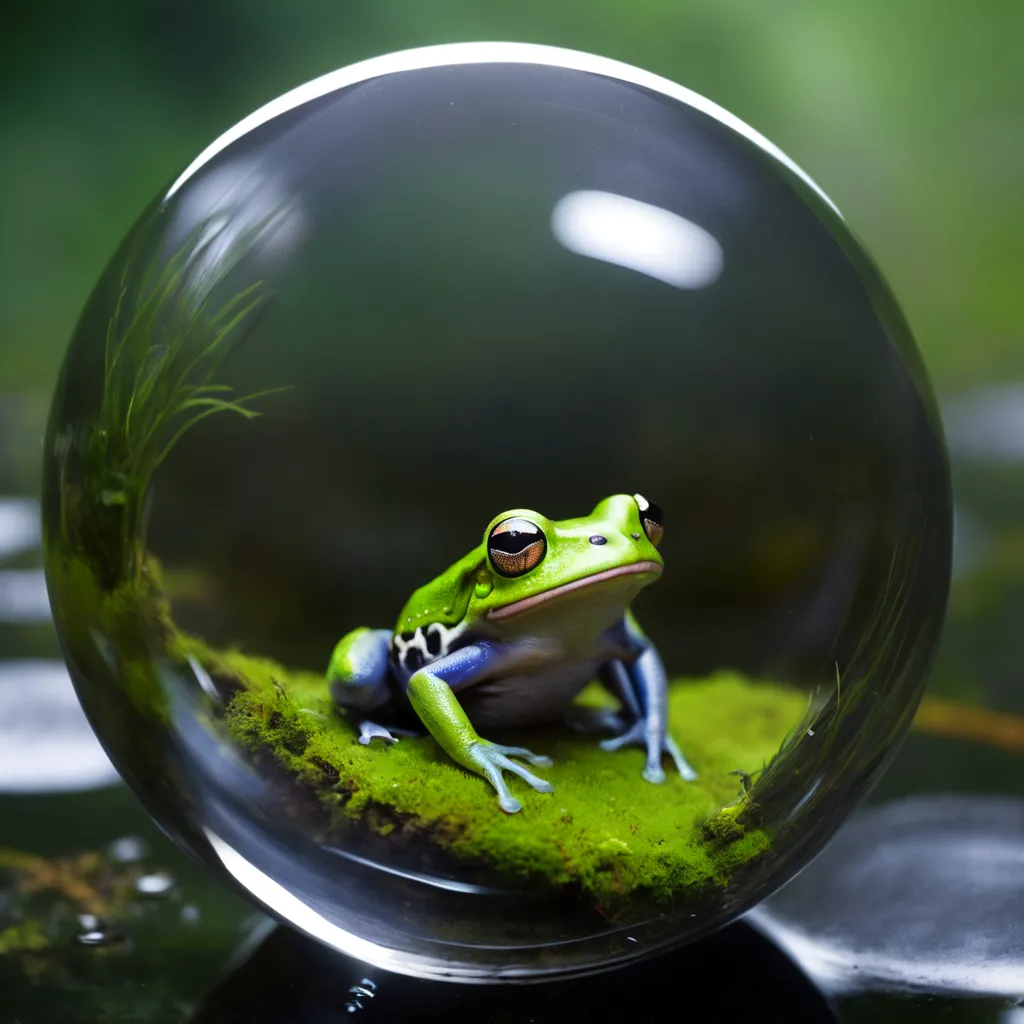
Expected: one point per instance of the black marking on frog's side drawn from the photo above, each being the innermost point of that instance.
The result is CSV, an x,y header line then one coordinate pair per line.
x,y
410,651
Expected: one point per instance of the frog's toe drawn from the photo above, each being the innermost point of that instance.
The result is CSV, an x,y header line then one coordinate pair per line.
x,y
508,803
526,755
372,731
683,766
503,763
634,736
638,735
491,760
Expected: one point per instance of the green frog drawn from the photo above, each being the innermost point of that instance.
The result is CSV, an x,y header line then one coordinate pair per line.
x,y
511,633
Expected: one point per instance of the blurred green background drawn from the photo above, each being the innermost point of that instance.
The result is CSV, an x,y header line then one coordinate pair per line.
x,y
909,115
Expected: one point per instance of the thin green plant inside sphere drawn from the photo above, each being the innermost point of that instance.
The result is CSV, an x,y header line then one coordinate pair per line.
x,y
496,515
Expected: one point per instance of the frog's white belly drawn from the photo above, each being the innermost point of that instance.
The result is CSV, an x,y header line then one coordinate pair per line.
x,y
527,699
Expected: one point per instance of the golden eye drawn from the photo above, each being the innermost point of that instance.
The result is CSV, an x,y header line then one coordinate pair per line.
x,y
516,546
651,518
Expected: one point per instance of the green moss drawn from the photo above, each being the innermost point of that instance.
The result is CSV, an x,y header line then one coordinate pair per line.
x,y
603,829
28,937
723,826
120,625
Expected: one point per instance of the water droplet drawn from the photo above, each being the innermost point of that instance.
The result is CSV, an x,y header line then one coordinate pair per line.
x,y
127,850
96,933
155,884
190,914
366,989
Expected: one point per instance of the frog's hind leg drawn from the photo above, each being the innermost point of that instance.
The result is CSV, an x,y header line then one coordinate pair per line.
x,y
641,690
589,721
359,669
359,677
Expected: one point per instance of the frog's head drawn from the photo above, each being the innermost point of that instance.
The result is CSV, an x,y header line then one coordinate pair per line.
x,y
537,569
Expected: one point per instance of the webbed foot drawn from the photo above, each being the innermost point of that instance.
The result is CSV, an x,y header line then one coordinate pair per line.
x,y
639,735
491,759
372,731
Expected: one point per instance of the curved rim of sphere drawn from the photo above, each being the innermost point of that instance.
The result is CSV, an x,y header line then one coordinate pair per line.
x,y
649,936
451,54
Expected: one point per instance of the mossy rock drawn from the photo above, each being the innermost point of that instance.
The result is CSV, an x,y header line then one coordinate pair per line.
x,y
604,830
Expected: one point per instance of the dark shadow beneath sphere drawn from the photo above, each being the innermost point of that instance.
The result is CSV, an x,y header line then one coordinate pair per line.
x,y
735,975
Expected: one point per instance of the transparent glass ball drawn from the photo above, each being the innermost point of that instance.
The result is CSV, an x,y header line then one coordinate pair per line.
x,y
487,398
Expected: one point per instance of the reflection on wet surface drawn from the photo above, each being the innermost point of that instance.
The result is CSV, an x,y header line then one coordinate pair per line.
x,y
924,893
46,744
23,596
19,526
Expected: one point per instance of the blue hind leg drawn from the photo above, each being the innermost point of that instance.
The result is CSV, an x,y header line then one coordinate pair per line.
x,y
359,677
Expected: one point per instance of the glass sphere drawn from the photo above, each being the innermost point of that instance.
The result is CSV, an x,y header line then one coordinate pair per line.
x,y
495,513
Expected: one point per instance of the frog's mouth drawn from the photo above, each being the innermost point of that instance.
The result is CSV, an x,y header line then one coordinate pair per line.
x,y
518,607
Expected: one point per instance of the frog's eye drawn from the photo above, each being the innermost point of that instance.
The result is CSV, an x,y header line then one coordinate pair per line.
x,y
652,518
515,546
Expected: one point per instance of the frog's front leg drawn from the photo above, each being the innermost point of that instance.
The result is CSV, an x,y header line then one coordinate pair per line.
x,y
431,694
642,687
